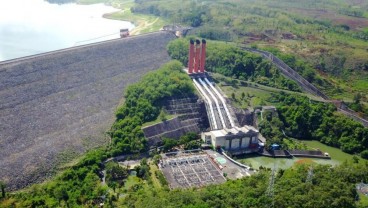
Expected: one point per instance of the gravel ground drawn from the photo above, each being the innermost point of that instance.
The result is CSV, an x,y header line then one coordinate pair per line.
x,y
65,101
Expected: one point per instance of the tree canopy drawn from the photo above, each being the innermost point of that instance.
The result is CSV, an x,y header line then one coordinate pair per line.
x,y
302,118
143,104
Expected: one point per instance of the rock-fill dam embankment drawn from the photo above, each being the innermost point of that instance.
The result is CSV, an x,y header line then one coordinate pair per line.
x,y
60,102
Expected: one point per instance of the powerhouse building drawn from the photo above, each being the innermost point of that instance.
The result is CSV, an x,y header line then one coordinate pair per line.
x,y
244,139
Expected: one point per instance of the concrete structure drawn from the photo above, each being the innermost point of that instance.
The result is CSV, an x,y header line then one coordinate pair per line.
x,y
191,57
178,30
190,117
269,108
235,139
197,57
203,57
124,33
225,131
197,60
193,170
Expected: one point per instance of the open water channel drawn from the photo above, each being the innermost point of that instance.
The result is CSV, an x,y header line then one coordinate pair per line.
x,y
29,27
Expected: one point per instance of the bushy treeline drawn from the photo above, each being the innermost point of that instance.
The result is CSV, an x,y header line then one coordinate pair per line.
x,y
192,16
301,118
143,104
76,186
189,140
232,61
328,187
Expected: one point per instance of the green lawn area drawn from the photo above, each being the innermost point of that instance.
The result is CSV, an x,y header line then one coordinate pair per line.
x,y
155,181
132,180
253,97
363,200
143,23
147,186
361,84
255,94
335,153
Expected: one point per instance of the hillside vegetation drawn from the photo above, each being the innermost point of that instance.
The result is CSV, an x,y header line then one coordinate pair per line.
x,y
301,118
231,61
143,104
329,187
330,35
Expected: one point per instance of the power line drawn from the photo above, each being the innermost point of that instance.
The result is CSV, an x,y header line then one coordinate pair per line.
x,y
95,38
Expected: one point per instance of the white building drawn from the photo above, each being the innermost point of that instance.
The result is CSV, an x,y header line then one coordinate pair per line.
x,y
244,139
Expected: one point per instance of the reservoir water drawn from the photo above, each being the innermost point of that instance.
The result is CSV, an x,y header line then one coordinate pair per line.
x,y
29,27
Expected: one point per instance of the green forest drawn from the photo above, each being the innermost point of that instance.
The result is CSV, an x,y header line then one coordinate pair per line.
x,y
329,187
143,104
301,118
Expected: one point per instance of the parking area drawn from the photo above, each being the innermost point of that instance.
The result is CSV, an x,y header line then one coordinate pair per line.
x,y
194,170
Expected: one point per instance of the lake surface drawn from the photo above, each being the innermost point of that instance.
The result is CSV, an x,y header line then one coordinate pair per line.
x,y
29,27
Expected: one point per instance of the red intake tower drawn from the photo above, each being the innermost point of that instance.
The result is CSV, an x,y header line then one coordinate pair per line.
x,y
197,56
203,56
191,57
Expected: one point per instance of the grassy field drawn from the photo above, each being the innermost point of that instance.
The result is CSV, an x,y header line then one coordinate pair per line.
x,y
255,94
363,200
143,23
131,181
335,153
156,183
281,163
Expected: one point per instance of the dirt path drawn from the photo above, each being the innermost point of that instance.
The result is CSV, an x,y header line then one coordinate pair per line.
x,y
142,26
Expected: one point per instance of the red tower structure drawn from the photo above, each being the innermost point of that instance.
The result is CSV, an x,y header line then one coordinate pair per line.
x,y
203,56
197,56
191,57
197,61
